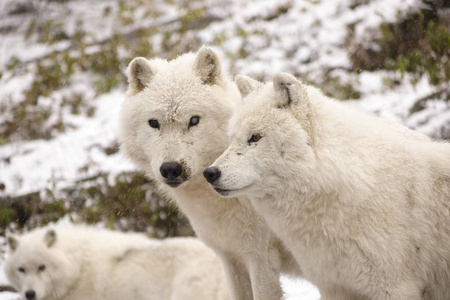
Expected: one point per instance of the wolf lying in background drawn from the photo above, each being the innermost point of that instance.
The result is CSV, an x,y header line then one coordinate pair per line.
x,y
83,263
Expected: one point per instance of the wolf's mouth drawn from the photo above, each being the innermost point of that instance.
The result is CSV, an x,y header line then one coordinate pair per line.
x,y
174,184
222,192
227,192
219,190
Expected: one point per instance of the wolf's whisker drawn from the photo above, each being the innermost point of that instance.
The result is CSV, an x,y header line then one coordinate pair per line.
x,y
53,284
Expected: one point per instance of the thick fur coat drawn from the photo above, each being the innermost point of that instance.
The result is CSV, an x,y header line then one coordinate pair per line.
x,y
363,204
82,263
174,125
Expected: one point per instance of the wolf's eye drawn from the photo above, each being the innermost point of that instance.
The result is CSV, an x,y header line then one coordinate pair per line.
x,y
21,270
153,123
194,121
41,268
256,137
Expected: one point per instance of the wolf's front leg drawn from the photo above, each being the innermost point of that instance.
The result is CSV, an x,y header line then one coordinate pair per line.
x,y
238,279
265,277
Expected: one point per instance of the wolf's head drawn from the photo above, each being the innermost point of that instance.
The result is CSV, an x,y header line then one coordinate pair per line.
x,y
174,119
269,133
37,269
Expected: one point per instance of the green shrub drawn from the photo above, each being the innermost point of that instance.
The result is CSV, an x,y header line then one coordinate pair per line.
x,y
130,202
417,44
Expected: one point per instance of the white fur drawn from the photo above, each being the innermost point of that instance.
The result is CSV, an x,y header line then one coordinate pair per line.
x,y
191,86
363,204
92,264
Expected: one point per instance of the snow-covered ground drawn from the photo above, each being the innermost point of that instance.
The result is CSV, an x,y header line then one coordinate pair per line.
x,y
293,290
9,296
259,38
56,163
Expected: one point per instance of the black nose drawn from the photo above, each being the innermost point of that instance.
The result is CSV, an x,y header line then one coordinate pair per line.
x,y
30,295
171,170
211,174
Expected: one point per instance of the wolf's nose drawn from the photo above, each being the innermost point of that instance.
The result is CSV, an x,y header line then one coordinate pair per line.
x,y
211,174
30,295
171,170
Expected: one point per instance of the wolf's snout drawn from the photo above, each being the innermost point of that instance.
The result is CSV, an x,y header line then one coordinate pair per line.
x,y
30,295
211,174
171,170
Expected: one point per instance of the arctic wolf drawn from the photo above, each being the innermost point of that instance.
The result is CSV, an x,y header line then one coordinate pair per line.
x,y
363,204
173,126
82,263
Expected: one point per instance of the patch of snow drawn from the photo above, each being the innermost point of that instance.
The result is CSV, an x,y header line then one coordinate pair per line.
x,y
299,289
9,296
56,164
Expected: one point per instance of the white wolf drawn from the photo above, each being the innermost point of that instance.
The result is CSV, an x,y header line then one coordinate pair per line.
x,y
82,263
174,125
363,204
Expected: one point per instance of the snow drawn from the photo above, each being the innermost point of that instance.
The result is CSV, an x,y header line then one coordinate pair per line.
x,y
55,164
433,118
9,296
299,289
3,280
391,104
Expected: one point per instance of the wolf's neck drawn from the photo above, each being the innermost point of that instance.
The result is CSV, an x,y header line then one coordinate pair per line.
x,y
294,213
198,198
209,214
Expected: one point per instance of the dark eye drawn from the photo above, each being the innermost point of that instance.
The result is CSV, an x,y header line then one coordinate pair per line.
x,y
41,268
256,137
153,123
21,270
194,121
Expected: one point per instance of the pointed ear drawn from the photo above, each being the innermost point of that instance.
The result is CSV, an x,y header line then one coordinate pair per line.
x,y
207,66
13,242
246,84
288,90
50,237
139,74
291,92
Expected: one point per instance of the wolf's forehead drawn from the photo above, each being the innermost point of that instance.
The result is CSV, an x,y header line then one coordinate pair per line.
x,y
174,101
25,259
252,117
172,89
241,124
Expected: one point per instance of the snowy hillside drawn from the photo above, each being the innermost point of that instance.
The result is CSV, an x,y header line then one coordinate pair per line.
x,y
62,84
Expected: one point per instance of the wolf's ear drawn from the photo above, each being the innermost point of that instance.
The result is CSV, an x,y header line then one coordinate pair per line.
x,y
246,84
207,66
50,237
13,242
139,74
288,90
